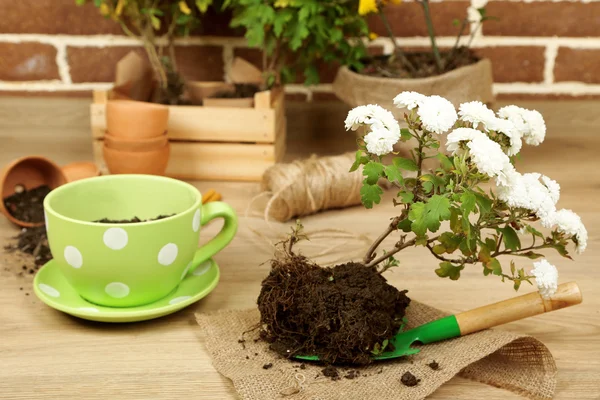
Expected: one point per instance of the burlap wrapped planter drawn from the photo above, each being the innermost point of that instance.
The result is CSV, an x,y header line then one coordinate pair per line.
x,y
473,82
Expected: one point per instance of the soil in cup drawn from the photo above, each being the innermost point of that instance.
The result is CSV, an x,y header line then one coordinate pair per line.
x,y
27,205
241,91
131,220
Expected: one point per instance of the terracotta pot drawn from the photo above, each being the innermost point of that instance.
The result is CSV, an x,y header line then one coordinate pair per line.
x,y
141,162
246,102
198,91
80,170
473,82
29,172
136,119
126,144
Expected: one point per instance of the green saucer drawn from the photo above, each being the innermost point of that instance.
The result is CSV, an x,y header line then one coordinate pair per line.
x,y
54,290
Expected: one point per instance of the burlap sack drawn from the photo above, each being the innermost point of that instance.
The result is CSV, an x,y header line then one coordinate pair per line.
x,y
473,82
506,360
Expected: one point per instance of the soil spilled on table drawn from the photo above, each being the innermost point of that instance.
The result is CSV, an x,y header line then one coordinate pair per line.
x,y
32,241
343,314
131,221
241,91
27,205
409,379
423,62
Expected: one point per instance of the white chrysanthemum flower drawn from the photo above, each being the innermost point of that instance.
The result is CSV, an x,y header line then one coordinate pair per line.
x,y
570,223
372,114
437,114
528,123
546,278
508,129
553,188
526,191
539,196
461,135
477,113
380,141
409,100
487,155
509,175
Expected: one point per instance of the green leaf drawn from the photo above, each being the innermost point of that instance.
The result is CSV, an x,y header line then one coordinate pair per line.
x,y
203,5
405,225
450,241
372,171
427,216
406,197
427,187
445,162
484,254
455,224
370,194
447,270
405,135
358,160
494,266
562,250
436,181
155,22
467,205
517,285
393,174
534,231
438,249
510,238
484,203
405,164
531,255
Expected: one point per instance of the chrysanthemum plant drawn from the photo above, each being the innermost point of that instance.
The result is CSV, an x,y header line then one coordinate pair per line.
x,y
491,209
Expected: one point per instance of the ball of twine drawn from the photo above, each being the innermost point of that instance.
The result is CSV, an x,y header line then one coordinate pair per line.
x,y
308,186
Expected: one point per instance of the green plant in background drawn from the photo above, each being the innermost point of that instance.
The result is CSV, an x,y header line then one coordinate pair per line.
x,y
149,20
483,225
443,61
295,35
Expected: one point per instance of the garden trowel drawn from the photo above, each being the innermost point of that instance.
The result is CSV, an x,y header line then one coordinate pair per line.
x,y
517,308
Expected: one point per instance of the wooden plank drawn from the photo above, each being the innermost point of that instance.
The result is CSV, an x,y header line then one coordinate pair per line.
x,y
212,161
207,124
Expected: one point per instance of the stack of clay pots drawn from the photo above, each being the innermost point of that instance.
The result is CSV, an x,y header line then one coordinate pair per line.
x,y
136,138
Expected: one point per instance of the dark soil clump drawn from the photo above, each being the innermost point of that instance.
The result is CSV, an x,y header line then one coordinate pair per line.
x,y
409,379
331,372
268,366
28,205
130,221
242,91
434,365
352,374
423,62
339,313
33,241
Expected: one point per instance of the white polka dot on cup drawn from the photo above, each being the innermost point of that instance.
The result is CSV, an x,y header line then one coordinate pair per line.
x,y
73,257
196,221
168,254
179,299
49,290
115,238
202,268
118,290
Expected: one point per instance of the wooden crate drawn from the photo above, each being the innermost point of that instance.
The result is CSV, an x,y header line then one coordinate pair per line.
x,y
211,143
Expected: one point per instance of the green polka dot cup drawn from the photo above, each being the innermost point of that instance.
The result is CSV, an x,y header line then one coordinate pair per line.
x,y
131,264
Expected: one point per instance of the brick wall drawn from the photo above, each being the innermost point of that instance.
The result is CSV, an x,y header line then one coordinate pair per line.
x,y
543,48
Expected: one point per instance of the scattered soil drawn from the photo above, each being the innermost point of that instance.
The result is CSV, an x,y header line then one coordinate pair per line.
x,y
352,374
337,313
423,62
242,91
409,379
331,372
131,221
434,365
268,366
28,205
33,241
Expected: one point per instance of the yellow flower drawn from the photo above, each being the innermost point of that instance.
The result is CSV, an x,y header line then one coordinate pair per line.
x,y
396,1
373,35
184,8
367,6
104,9
282,3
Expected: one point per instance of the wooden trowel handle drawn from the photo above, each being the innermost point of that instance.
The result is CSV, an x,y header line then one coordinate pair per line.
x,y
517,308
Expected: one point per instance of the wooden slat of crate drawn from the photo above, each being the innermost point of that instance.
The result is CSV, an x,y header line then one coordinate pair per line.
x,y
213,161
215,124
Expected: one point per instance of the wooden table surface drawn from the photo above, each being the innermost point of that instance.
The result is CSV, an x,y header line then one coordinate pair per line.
x,y
47,354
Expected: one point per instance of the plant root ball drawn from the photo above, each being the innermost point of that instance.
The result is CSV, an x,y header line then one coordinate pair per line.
x,y
337,313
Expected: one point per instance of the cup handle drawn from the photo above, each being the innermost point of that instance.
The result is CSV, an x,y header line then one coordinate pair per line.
x,y
210,211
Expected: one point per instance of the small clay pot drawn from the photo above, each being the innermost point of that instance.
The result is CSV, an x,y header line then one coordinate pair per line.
x,y
245,102
29,172
136,119
80,170
139,162
126,144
